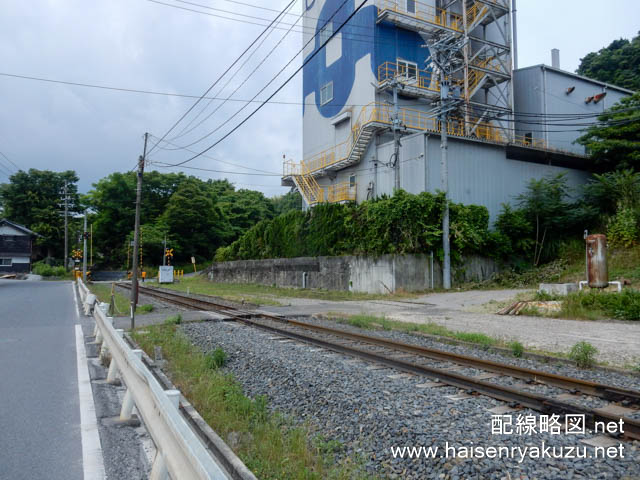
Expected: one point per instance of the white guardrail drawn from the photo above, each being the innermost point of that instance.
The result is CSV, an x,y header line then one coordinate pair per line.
x,y
181,454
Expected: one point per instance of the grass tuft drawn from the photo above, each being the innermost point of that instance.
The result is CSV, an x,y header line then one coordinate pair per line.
x,y
216,359
517,349
173,320
583,353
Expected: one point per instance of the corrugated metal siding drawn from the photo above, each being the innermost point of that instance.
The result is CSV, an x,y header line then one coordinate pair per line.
x,y
479,173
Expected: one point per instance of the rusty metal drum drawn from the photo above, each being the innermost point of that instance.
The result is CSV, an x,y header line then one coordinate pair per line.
x,y
598,274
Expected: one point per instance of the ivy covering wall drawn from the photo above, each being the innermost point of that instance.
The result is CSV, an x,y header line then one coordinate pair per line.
x,y
403,224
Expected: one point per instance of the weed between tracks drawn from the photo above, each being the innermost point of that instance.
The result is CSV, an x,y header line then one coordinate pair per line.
x,y
370,322
269,444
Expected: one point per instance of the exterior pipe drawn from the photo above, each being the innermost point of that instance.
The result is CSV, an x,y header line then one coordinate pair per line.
x,y
514,20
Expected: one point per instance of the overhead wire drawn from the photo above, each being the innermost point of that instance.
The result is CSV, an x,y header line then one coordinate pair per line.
x,y
213,158
305,62
238,87
10,161
352,36
279,102
221,76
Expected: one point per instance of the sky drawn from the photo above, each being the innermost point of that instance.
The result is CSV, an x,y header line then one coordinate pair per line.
x,y
145,45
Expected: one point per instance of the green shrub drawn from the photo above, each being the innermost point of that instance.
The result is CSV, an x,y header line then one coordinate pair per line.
x,y
583,353
41,268
624,305
216,359
623,228
174,320
517,349
146,308
403,224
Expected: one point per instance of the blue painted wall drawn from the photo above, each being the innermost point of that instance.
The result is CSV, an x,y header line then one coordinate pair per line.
x,y
360,37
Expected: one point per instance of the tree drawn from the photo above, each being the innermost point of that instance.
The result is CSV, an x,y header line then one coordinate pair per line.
x,y
619,64
546,206
286,203
615,142
113,200
195,220
34,199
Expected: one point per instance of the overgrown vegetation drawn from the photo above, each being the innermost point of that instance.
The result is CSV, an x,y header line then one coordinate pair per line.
x,y
623,306
583,353
42,268
372,322
403,223
270,445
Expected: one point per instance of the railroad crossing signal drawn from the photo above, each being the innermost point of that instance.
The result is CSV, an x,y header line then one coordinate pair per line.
x,y
168,252
77,254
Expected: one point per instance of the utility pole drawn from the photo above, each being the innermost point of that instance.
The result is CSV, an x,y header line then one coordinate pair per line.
x,y
443,54
136,237
444,179
164,251
66,227
84,249
396,137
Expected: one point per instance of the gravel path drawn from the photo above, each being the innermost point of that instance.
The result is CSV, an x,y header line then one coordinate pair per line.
x,y
618,342
370,409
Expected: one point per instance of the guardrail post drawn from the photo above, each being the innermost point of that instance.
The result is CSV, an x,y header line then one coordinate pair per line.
x,y
174,396
112,375
159,470
127,402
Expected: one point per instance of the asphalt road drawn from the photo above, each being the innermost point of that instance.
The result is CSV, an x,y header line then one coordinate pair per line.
x,y
40,435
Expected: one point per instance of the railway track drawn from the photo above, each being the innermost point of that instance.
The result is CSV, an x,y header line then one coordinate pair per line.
x,y
439,365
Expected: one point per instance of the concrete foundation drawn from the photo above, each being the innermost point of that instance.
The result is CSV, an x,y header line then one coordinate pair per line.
x,y
384,274
558,288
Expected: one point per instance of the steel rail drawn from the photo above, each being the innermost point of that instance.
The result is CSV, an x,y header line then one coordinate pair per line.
x,y
526,399
607,392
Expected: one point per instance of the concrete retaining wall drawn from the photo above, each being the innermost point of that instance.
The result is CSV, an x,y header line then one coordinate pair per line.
x,y
384,274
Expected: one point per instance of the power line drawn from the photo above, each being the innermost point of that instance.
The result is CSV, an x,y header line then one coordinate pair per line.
x,y
273,102
212,158
309,58
218,107
168,165
10,161
352,36
223,74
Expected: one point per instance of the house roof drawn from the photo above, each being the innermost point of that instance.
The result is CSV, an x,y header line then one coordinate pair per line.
x,y
22,228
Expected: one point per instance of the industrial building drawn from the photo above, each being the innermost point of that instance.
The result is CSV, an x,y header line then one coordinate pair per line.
x,y
377,95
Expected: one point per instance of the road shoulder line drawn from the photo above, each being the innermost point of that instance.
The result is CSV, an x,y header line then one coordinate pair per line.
x,y
92,460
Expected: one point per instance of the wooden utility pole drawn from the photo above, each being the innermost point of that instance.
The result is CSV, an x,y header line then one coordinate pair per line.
x,y
66,226
136,236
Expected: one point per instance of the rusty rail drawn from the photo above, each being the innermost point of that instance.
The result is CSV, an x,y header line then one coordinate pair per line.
x,y
526,399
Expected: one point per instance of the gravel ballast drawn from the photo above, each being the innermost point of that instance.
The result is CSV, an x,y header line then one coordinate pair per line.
x,y
371,409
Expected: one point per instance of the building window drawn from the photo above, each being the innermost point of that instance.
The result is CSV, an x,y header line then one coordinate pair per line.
x,y
326,93
5,262
528,138
411,6
352,181
325,33
408,70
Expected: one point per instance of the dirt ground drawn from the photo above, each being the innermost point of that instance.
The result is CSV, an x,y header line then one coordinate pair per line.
x,y
473,311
